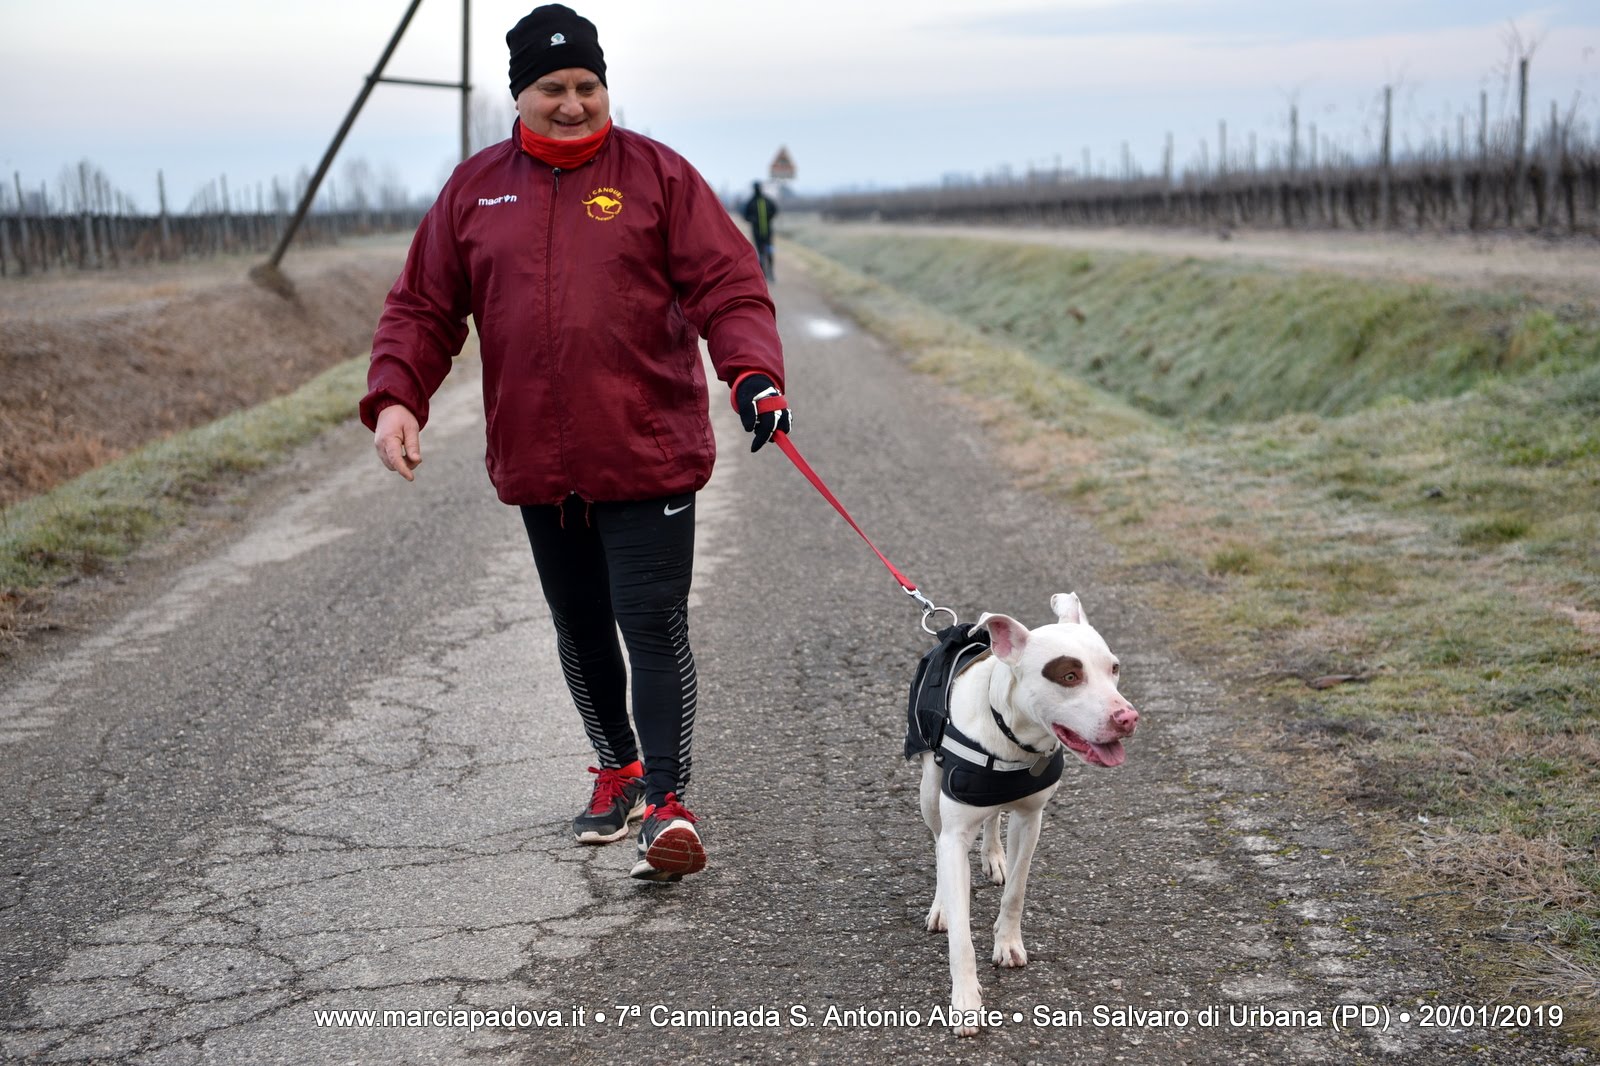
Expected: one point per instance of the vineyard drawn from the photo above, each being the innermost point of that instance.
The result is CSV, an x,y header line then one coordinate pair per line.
x,y
1508,177
98,240
1561,197
87,225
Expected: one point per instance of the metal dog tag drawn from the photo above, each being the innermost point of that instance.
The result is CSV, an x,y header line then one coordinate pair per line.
x,y
1040,765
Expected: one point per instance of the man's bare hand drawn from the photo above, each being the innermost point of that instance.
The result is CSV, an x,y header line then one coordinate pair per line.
x,y
398,439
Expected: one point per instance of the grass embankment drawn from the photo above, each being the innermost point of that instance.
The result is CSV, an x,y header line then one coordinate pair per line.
x,y
104,515
1376,504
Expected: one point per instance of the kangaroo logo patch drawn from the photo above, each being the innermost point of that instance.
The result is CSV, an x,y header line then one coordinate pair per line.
x,y
604,204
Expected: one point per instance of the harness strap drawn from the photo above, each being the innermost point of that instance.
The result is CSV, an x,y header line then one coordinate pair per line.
x,y
981,757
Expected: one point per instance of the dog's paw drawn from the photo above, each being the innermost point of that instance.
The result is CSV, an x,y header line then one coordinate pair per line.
x,y
966,1009
994,867
936,922
1010,953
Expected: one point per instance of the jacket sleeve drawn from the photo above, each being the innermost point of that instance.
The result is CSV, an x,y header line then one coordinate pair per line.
x,y
424,321
718,279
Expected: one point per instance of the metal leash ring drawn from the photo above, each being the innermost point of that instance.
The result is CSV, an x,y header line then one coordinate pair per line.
x,y
929,609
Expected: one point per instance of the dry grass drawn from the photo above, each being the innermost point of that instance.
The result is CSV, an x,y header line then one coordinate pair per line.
x,y
97,366
125,392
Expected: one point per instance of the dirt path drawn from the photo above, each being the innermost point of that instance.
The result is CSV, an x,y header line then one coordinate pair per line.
x,y
1558,271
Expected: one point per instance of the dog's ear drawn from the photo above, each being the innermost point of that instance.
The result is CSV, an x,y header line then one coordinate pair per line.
x,y
1068,608
1007,637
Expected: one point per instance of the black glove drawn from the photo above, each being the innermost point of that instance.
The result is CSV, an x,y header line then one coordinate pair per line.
x,y
761,407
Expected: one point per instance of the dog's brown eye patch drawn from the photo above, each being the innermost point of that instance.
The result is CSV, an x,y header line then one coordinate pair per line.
x,y
1064,670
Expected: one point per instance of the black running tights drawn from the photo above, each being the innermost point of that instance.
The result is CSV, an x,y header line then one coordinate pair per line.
x,y
627,566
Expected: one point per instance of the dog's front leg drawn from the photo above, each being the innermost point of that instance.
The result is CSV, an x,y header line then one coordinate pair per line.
x,y
1022,836
959,825
930,814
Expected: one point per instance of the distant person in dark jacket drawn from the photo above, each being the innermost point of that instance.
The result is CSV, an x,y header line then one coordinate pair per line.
x,y
759,211
592,259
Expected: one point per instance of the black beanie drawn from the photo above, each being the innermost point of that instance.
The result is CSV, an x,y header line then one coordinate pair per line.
x,y
552,37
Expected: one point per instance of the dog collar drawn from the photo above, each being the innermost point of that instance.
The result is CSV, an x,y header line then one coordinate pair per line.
x,y
1001,722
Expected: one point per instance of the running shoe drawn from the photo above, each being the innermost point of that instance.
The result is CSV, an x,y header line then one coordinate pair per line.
x,y
618,799
669,846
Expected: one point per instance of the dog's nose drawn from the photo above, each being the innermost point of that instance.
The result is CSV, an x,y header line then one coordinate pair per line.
x,y
1125,719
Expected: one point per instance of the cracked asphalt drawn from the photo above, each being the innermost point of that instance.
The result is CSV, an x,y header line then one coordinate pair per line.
x,y
318,757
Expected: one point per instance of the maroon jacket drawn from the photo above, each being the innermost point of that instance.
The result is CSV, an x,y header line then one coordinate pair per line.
x,y
590,289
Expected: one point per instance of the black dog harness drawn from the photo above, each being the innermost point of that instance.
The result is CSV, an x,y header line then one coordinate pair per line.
x,y
971,775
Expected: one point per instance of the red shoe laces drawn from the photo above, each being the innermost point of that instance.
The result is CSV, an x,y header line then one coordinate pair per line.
x,y
670,808
607,789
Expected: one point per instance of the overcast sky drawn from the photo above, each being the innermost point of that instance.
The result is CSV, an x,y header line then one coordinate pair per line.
x,y
886,93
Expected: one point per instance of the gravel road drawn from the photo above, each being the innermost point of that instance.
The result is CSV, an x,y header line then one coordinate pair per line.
x,y
317,756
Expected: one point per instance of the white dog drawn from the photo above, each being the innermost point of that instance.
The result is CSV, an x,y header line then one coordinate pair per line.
x,y
1011,711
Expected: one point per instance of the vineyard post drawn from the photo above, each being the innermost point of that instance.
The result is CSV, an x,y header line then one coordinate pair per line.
x,y
166,222
207,238
1294,165
5,243
63,237
1251,183
1385,188
87,255
116,230
1481,185
1222,172
1520,164
108,229
1568,177
1552,164
1319,183
1166,180
1294,141
278,202
227,216
22,224
258,223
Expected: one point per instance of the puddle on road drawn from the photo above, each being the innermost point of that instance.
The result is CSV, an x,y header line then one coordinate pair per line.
x,y
824,329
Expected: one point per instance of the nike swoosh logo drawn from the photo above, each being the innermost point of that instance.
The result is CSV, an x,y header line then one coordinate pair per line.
x,y
670,511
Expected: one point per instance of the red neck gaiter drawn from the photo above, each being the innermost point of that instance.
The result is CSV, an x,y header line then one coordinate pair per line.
x,y
562,154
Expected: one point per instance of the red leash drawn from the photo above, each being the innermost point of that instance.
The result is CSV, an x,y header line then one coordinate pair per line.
x,y
782,440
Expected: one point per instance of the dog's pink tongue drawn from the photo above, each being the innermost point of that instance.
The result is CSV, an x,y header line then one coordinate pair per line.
x,y
1112,754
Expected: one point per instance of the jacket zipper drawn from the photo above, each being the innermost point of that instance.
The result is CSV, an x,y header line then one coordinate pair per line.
x,y
549,322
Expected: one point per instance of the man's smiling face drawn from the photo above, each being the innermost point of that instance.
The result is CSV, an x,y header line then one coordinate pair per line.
x,y
565,104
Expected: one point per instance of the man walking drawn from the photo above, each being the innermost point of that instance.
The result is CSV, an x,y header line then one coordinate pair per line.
x,y
591,260
759,211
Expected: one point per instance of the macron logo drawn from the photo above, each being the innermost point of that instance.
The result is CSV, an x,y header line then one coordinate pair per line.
x,y
509,198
